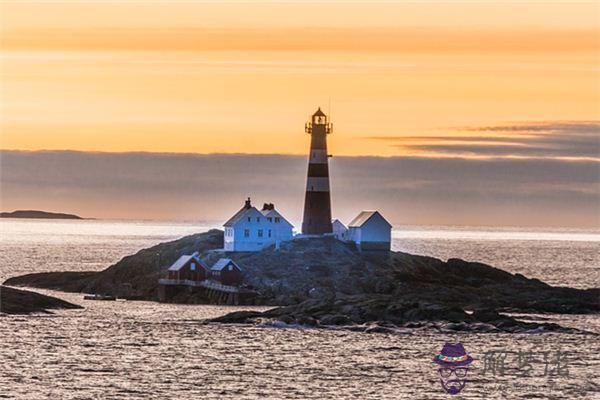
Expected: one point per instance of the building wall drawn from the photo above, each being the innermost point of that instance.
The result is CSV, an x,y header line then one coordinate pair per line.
x,y
186,273
375,234
228,239
376,229
226,277
340,231
354,234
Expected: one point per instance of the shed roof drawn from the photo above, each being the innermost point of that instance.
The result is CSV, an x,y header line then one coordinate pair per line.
x,y
183,260
338,222
363,217
222,263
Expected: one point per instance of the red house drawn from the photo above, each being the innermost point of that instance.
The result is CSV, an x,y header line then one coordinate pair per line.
x,y
227,272
189,267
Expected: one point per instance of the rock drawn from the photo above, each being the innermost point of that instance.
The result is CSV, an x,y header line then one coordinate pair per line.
x,y
483,328
65,281
337,319
458,326
308,321
486,315
287,319
317,293
238,317
16,301
379,329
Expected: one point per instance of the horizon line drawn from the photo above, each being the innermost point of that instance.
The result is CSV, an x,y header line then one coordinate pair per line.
x,y
411,156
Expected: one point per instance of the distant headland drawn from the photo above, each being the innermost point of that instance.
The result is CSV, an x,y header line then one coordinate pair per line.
x,y
38,214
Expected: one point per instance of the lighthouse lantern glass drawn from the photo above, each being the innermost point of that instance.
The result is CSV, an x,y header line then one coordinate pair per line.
x,y
319,120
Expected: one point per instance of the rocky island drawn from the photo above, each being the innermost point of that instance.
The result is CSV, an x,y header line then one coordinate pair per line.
x,y
38,214
324,282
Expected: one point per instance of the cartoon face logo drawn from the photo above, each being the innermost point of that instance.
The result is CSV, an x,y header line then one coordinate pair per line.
x,y
453,363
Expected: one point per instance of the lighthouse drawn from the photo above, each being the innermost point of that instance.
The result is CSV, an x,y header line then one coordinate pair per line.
x,y
317,203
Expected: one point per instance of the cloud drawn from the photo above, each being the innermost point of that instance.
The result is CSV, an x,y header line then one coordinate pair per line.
x,y
577,140
404,39
408,190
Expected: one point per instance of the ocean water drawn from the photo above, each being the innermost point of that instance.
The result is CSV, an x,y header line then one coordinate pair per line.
x,y
141,350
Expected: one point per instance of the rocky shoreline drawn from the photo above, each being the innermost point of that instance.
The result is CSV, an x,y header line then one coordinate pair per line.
x,y
325,282
384,315
16,301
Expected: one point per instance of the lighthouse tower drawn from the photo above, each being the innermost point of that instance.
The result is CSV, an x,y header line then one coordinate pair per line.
x,y
317,203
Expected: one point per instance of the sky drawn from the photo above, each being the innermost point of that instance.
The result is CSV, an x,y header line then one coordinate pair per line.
x,y
406,190
509,84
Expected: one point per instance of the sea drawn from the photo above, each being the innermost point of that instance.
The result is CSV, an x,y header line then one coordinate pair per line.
x,y
147,350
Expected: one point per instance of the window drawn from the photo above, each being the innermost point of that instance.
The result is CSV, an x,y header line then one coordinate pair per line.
x,y
277,219
257,219
269,233
260,233
270,219
193,267
249,219
230,268
246,232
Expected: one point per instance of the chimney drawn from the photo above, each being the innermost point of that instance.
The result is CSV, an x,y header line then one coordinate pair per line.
x,y
248,205
268,206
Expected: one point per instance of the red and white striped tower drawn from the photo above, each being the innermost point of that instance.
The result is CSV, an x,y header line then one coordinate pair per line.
x,y
317,203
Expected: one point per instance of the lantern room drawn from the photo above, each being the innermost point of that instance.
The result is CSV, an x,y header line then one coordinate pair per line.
x,y
319,118
319,122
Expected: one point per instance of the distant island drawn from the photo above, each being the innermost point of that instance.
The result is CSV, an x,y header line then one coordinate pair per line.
x,y
38,214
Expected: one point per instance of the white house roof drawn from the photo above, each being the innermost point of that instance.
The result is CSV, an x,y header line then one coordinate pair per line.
x,y
222,263
239,215
275,214
183,260
363,217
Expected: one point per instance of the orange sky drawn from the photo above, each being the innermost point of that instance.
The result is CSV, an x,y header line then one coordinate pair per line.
x,y
243,76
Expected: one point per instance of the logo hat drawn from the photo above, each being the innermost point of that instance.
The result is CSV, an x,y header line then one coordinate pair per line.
x,y
453,355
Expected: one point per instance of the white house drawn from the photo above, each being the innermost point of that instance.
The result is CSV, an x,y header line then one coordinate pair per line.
x,y
370,231
339,230
252,230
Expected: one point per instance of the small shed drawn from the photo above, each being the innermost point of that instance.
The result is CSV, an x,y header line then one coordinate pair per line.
x,y
227,272
339,230
189,267
370,231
